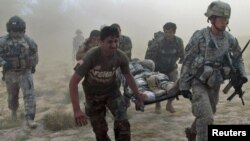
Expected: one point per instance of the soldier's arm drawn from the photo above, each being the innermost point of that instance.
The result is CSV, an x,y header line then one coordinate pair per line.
x,y
152,50
36,57
181,51
127,46
2,61
191,52
239,64
80,53
80,117
124,67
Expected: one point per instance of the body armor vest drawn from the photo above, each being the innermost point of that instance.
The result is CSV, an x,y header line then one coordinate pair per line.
x,y
167,56
19,54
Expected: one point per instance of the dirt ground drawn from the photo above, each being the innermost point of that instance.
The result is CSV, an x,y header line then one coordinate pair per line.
x,y
51,84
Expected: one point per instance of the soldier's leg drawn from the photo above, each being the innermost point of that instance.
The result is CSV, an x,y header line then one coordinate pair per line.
x,y
214,98
202,109
158,107
29,97
13,92
172,77
97,112
118,108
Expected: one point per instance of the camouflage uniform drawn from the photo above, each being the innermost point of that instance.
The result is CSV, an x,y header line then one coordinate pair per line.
x,y
206,50
125,45
165,53
92,41
23,58
101,91
207,63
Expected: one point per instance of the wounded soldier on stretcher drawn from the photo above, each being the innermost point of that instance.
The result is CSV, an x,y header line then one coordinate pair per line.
x,y
154,86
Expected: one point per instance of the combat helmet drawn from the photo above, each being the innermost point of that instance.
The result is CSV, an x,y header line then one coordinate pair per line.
x,y
16,24
218,8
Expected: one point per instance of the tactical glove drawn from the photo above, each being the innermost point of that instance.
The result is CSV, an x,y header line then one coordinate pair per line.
x,y
186,94
244,79
238,84
139,104
33,69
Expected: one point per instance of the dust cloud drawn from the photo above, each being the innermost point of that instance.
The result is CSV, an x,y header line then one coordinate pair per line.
x,y
52,23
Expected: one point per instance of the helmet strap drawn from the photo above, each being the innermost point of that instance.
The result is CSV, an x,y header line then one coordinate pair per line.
x,y
228,28
212,19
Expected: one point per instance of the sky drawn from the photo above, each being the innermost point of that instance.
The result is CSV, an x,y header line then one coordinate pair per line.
x,y
57,20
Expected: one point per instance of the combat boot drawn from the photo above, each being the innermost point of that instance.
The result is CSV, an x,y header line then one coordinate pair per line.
x,y
31,124
190,135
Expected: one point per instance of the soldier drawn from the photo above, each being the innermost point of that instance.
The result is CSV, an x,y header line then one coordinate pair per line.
x,y
165,50
125,43
77,42
92,41
152,85
19,57
206,65
100,87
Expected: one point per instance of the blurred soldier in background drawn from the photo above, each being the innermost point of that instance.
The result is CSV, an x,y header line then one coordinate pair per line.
x,y
77,42
18,58
125,43
92,41
165,50
208,57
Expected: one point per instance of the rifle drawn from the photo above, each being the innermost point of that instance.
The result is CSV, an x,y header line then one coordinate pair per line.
x,y
233,76
240,93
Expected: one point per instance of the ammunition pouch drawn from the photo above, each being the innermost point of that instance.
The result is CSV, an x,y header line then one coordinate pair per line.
x,y
197,65
225,71
209,72
215,78
205,73
21,63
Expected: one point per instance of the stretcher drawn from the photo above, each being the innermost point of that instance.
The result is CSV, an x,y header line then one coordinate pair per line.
x,y
151,97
